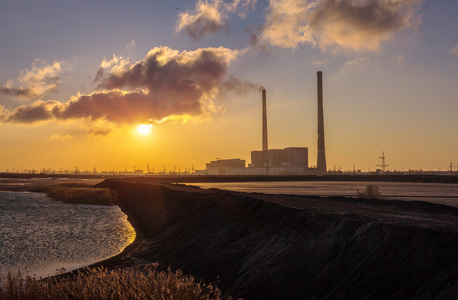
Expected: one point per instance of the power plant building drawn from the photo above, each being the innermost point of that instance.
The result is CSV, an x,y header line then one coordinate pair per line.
x,y
288,160
233,166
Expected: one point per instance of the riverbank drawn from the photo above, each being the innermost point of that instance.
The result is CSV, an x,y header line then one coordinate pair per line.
x,y
292,247
260,246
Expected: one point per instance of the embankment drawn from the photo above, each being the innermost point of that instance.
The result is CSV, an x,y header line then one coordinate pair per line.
x,y
258,249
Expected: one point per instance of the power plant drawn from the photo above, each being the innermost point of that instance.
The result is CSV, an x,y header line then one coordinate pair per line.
x,y
287,161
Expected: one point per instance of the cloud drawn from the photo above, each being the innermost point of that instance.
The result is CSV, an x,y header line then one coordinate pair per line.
x,y
400,59
4,113
320,62
131,44
350,24
206,18
454,49
287,23
238,86
10,91
40,80
31,113
167,83
240,6
356,62
59,137
116,64
210,16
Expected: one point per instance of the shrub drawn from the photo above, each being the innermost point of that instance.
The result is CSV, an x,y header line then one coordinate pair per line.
x,y
101,283
370,192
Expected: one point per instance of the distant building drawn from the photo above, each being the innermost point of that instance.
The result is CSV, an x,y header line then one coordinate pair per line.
x,y
233,166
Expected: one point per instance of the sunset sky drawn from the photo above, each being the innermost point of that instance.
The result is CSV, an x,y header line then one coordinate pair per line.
x,y
78,77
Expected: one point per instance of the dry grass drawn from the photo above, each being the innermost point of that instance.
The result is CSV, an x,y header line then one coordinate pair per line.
x,y
370,192
82,195
100,283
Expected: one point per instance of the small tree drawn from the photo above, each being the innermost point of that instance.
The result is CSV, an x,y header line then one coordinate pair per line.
x,y
370,192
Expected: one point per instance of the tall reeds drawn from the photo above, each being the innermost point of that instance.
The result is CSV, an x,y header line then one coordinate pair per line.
x,y
82,195
100,283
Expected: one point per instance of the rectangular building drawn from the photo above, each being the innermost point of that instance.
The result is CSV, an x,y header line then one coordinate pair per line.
x,y
292,157
233,166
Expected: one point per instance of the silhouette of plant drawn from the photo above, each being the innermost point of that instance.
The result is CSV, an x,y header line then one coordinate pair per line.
x,y
370,192
143,282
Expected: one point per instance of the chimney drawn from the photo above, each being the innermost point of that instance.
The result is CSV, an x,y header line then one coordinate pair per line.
x,y
264,121
321,157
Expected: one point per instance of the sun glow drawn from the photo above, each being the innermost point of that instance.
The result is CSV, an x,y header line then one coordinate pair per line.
x,y
144,129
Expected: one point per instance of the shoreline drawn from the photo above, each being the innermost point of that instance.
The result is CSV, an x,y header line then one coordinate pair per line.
x,y
48,266
117,261
287,246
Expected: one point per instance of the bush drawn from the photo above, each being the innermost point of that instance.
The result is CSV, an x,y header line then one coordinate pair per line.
x,y
370,192
101,283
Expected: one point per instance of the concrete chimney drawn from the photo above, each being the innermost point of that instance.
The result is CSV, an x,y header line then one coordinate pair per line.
x,y
321,157
264,121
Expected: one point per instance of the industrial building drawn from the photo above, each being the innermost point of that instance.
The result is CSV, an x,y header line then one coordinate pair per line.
x,y
235,166
288,161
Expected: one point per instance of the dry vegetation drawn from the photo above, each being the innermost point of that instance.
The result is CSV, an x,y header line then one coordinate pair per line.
x,y
370,192
82,195
100,283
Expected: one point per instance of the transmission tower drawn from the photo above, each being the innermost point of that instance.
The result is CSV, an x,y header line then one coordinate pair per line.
x,y
383,165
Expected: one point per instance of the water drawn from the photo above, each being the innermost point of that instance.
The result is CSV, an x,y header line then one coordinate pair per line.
x,y
39,235
441,193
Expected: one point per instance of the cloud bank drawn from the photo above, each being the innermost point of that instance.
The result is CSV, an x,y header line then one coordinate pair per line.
x,y
359,25
38,81
166,83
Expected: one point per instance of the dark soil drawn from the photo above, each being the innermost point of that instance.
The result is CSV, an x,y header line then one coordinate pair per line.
x,y
294,247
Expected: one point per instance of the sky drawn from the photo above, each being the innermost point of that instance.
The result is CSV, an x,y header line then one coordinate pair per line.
x,y
77,78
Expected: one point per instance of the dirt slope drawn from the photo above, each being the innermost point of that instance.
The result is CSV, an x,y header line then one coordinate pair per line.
x,y
321,248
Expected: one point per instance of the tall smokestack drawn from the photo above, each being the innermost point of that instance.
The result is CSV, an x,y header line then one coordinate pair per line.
x,y
264,121
321,158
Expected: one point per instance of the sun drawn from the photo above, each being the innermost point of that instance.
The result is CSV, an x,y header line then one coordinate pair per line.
x,y
144,129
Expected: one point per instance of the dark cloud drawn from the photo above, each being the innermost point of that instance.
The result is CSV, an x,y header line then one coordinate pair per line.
x,y
16,92
165,71
32,113
359,25
121,107
206,18
238,86
202,26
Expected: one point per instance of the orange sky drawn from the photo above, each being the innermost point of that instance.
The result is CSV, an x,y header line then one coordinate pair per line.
x,y
78,78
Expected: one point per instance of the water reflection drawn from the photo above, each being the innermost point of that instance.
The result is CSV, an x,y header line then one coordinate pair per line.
x,y
40,235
